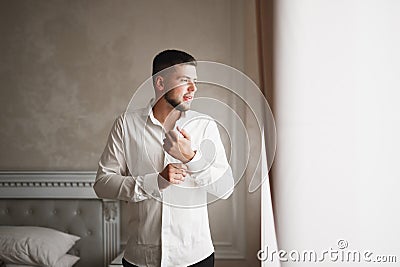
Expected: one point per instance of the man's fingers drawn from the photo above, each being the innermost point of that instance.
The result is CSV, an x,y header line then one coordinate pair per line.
x,y
178,176
179,166
166,146
177,173
172,135
183,132
180,171
167,140
177,179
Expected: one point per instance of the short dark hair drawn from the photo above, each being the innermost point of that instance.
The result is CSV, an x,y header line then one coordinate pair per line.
x,y
169,58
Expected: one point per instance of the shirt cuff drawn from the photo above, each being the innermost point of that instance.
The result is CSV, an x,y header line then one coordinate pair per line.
x,y
150,185
197,164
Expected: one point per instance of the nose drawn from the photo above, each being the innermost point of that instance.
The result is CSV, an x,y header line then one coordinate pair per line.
x,y
192,86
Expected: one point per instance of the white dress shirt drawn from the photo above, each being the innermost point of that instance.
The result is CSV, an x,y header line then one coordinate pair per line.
x,y
167,227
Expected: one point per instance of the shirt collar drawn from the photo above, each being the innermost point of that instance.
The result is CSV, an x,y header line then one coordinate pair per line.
x,y
148,112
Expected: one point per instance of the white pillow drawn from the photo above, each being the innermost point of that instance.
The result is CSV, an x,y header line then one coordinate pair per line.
x,y
65,261
31,245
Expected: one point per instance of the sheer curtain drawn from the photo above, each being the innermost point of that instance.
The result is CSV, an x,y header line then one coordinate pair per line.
x,y
264,20
335,99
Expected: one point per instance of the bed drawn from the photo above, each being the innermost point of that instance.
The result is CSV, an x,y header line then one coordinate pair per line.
x,y
64,201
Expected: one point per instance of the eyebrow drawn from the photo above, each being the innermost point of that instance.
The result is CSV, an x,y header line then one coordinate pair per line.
x,y
184,76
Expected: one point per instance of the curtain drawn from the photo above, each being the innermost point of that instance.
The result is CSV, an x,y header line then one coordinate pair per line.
x,y
264,18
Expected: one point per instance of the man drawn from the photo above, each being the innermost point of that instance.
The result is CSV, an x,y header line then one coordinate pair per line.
x,y
163,159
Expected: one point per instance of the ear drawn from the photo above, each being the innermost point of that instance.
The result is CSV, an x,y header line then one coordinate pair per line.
x,y
159,83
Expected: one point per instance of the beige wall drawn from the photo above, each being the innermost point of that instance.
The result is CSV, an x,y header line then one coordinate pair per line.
x,y
68,68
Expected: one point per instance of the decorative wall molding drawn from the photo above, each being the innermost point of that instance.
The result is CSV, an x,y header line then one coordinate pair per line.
x,y
111,230
46,184
235,249
35,184
111,211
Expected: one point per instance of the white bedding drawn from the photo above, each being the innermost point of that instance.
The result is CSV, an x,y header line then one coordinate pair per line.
x,y
15,265
65,261
36,246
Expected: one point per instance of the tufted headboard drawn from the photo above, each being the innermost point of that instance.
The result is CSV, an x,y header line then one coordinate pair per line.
x,y
64,201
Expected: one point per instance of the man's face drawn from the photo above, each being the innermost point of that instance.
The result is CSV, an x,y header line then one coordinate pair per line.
x,y
180,86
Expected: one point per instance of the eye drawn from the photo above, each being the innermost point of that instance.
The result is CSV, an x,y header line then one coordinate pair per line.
x,y
185,80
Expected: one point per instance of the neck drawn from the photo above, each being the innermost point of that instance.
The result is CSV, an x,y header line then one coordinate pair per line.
x,y
163,110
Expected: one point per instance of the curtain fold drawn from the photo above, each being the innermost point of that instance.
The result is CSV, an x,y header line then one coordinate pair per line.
x,y
264,20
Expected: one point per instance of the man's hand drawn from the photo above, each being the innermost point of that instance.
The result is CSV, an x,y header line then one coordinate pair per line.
x,y
178,147
172,174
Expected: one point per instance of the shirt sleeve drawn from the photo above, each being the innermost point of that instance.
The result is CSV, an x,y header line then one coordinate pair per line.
x,y
113,180
210,167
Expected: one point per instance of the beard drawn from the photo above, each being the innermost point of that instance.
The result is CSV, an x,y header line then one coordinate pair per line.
x,y
176,104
